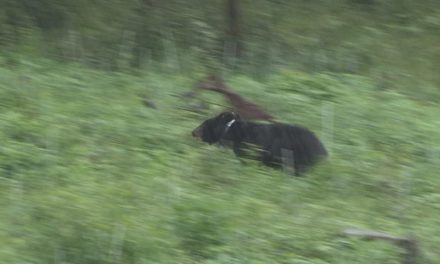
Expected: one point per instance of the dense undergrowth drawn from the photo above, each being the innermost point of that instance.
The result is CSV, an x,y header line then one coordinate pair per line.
x,y
90,175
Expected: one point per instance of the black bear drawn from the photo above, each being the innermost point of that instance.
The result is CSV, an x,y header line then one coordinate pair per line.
x,y
277,144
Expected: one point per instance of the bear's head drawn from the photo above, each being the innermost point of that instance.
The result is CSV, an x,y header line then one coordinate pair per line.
x,y
214,129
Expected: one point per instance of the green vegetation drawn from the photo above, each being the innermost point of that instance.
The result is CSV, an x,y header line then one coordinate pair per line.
x,y
395,42
90,175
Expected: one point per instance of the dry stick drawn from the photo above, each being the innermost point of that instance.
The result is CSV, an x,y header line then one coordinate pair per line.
x,y
409,245
203,101
327,124
288,161
117,243
404,192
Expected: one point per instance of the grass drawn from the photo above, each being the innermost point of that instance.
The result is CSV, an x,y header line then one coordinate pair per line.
x,y
90,175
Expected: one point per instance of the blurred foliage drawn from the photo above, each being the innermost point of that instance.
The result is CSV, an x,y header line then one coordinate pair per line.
x,y
90,175
394,41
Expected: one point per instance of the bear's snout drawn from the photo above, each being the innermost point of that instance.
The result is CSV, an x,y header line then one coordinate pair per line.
x,y
197,132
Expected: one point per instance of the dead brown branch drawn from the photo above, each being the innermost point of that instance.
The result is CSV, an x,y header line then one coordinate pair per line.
x,y
409,245
245,108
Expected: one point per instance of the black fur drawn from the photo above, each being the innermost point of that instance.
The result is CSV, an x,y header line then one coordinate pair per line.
x,y
275,142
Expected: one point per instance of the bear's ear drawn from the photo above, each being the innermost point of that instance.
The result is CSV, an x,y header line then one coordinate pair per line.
x,y
225,117
236,116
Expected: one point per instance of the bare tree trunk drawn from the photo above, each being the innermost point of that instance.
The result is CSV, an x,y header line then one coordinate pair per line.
x,y
233,30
